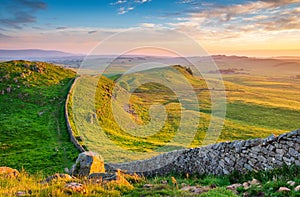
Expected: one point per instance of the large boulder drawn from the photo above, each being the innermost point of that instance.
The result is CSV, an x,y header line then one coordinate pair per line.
x,y
86,164
9,172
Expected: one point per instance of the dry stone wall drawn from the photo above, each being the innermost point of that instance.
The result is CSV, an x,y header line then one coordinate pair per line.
x,y
222,158
70,130
218,159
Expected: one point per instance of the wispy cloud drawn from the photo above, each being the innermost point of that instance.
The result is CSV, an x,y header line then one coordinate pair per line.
x,y
124,6
142,1
185,1
4,36
61,28
92,32
20,12
124,10
118,2
147,25
230,21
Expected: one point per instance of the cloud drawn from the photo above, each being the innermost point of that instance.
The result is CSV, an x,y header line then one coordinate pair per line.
x,y
124,6
141,1
119,2
92,32
124,10
231,21
149,25
33,4
61,28
3,36
20,12
185,1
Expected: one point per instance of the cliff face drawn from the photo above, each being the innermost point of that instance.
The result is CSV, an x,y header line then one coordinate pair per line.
x,y
223,158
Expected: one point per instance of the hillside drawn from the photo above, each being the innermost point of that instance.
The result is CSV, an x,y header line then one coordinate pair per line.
x,y
32,125
31,53
256,107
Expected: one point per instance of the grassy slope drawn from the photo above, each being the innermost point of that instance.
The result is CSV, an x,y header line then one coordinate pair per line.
x,y
32,125
280,113
255,108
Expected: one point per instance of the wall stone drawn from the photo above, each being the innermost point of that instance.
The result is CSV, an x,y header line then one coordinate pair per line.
x,y
222,158
71,133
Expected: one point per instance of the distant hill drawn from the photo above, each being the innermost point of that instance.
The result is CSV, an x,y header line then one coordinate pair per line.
x,y
31,53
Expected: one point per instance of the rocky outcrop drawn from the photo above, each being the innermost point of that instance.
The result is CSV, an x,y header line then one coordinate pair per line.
x,y
222,158
9,172
86,164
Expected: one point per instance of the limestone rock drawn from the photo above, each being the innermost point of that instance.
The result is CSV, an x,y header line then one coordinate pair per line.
x,y
291,183
73,187
283,189
254,182
234,186
103,177
148,186
57,177
165,182
196,189
9,172
86,164
297,188
21,193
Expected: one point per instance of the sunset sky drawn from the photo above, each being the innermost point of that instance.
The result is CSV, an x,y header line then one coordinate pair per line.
x,y
253,28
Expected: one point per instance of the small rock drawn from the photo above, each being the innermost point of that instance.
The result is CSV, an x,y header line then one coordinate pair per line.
x,y
195,189
103,177
297,188
73,187
185,188
57,177
165,182
254,182
183,184
21,193
283,189
234,186
291,183
9,172
67,170
246,185
148,186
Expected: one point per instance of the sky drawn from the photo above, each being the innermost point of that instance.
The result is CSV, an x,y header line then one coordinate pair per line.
x,y
232,27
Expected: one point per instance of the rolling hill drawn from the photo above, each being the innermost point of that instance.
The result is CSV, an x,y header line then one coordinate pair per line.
x,y
32,125
257,106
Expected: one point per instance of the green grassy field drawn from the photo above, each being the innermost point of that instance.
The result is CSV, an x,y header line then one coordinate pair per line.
x,y
255,108
34,134
32,125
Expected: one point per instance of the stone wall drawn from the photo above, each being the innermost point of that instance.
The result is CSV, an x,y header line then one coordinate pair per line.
x,y
222,158
218,159
71,133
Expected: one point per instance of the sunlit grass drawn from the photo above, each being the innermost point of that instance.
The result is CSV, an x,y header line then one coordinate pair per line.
x,y
32,125
252,111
